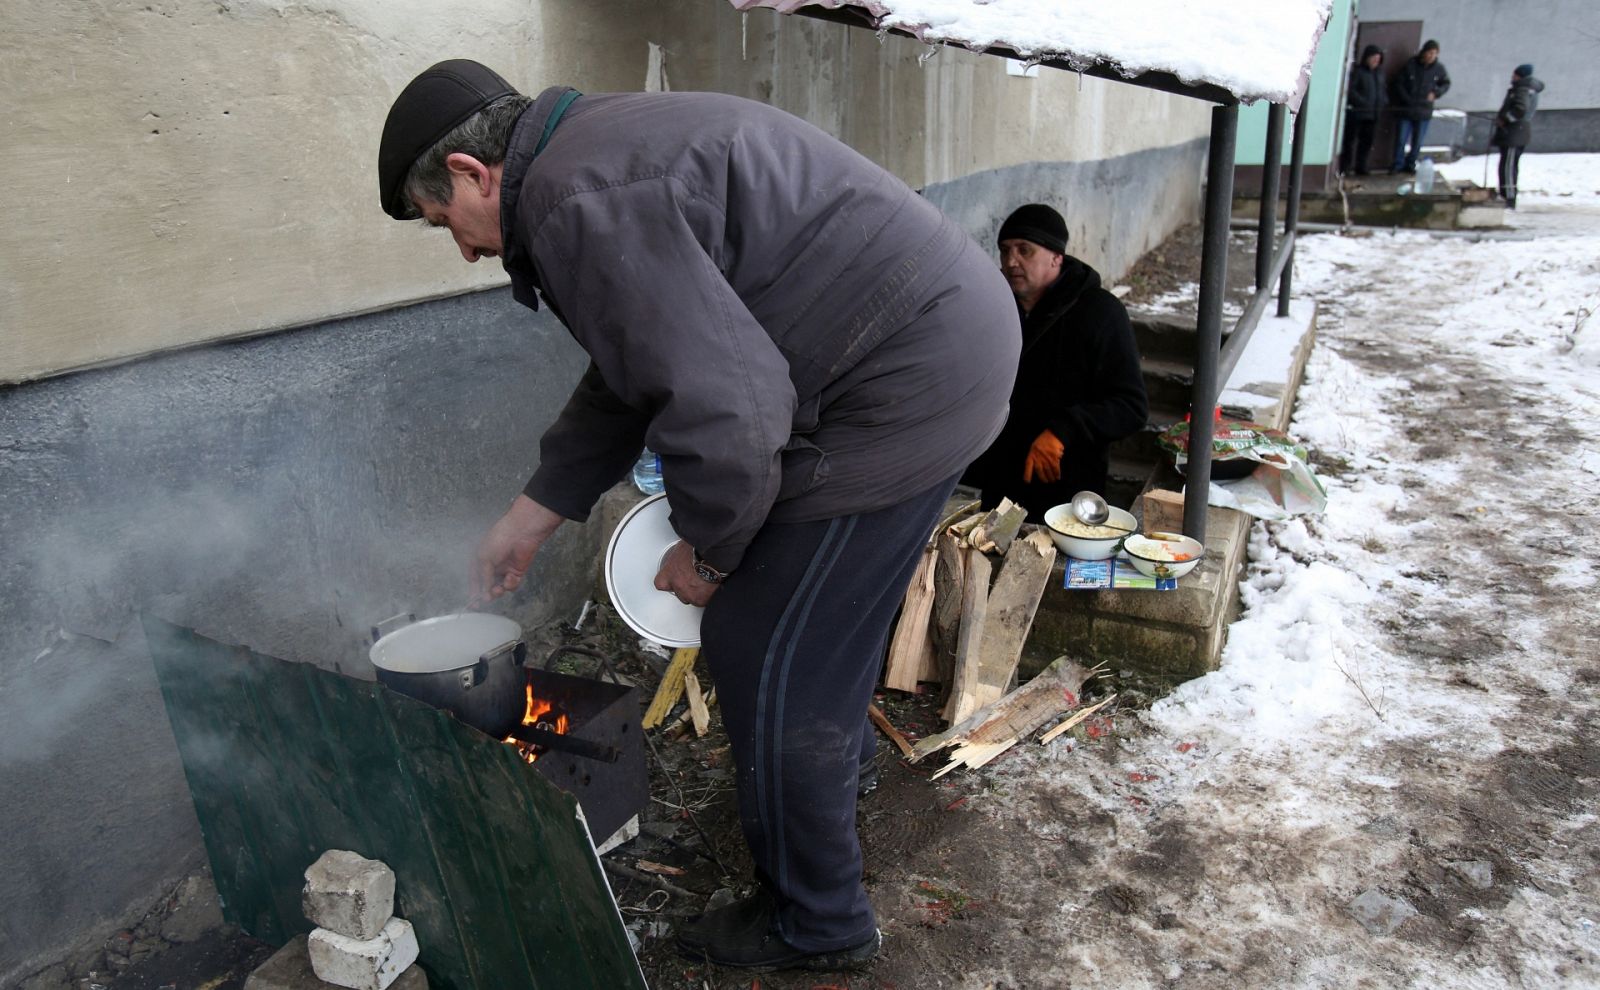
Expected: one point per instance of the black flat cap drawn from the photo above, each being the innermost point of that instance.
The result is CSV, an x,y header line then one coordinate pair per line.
x,y
425,111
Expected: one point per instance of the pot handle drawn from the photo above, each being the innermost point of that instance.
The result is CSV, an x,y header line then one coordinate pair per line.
x,y
392,623
475,674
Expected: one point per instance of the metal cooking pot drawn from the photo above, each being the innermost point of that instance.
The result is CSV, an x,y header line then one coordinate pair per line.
x,y
469,664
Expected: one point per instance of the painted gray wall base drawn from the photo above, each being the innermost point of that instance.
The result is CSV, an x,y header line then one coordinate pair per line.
x,y
1553,131
283,493
1116,208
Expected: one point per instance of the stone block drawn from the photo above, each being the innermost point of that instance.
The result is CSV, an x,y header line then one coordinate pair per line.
x,y
363,964
348,894
290,969
1149,648
195,910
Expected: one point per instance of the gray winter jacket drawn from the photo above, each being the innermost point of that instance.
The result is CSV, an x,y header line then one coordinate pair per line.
x,y
795,332
1513,125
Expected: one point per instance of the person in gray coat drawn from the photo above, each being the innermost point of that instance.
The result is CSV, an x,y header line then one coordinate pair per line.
x,y
1513,128
814,351
1418,84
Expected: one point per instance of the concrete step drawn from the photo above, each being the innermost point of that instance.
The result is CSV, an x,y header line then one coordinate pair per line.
x,y
1167,383
1166,337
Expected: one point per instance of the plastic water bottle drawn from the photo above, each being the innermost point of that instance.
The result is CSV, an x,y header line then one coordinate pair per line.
x,y
647,472
1425,176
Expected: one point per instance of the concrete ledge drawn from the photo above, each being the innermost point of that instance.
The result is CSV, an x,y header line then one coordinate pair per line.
x,y
1162,638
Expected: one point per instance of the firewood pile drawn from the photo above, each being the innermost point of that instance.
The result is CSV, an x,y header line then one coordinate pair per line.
x,y
962,627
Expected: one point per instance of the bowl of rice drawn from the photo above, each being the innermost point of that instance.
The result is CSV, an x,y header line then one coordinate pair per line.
x,y
1076,538
1164,555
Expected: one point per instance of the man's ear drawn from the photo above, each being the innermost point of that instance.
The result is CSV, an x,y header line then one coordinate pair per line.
x,y
471,169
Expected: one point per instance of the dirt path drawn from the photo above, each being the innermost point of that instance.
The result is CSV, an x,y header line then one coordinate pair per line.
x,y
1393,780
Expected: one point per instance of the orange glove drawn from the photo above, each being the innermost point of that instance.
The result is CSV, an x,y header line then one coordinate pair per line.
x,y
1044,458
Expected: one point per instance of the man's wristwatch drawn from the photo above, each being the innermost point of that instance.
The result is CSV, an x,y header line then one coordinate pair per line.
x,y
707,573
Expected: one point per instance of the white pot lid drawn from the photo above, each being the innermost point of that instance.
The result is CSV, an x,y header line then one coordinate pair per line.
x,y
445,642
633,558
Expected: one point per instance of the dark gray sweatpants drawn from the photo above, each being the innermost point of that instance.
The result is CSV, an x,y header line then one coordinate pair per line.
x,y
794,641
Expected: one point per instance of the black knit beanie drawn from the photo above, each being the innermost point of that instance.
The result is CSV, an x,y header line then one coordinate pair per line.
x,y
1430,45
1524,70
1038,223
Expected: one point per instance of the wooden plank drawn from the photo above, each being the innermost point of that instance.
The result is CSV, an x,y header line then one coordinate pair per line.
x,y
671,687
1008,616
887,728
974,606
997,529
948,579
1075,718
1163,511
1056,689
698,713
912,635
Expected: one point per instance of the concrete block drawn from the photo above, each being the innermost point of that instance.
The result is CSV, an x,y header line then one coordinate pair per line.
x,y
290,969
348,894
1148,648
363,964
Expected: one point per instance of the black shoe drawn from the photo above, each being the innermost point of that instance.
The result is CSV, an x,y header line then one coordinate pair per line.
x,y
867,780
744,935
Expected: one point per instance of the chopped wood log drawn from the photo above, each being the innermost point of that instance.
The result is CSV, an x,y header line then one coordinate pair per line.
x,y
887,728
912,634
948,579
671,687
661,869
1163,511
1009,616
969,641
698,713
995,533
954,516
992,730
1075,718
681,725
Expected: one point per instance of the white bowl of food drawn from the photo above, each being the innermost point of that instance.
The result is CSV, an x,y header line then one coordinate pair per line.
x,y
1164,555
1076,538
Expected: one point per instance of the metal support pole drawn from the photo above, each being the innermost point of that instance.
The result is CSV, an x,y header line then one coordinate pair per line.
x,y
1271,166
1208,329
1291,219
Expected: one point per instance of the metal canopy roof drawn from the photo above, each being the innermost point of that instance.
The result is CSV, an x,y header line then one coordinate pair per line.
x,y
1222,51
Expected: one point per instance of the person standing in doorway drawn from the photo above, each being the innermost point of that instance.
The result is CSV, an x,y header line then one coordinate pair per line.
x,y
1513,127
1418,84
1364,100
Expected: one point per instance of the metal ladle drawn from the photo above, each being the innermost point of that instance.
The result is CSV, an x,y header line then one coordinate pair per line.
x,y
1092,510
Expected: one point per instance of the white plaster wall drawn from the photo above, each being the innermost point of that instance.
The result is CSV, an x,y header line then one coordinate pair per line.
x,y
185,170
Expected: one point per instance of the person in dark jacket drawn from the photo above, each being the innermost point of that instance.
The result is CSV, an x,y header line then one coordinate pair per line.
x,y
1079,386
1513,128
790,328
1364,98
1418,84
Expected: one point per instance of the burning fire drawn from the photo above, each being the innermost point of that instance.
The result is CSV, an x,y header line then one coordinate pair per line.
x,y
542,713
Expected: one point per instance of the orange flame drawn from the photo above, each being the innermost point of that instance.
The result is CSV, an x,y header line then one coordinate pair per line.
x,y
536,709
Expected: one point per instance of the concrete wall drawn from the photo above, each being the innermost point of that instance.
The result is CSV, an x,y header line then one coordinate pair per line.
x,y
285,493
202,171
1481,41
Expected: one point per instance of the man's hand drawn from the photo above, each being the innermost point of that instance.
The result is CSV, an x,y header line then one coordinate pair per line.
x,y
1044,458
678,576
507,550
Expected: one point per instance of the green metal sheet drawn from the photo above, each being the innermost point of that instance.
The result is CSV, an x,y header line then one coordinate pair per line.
x,y
493,863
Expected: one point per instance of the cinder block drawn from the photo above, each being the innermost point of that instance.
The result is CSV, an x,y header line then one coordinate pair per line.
x,y
290,969
363,964
348,894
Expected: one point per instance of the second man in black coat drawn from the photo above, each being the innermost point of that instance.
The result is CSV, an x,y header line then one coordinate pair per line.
x,y
1079,387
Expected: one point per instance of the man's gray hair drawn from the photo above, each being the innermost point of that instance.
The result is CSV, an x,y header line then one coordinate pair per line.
x,y
484,136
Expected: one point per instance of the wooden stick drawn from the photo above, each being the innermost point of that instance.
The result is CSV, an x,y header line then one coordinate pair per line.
x,y
887,728
679,727
1009,614
697,704
671,687
974,606
949,578
911,633
1075,719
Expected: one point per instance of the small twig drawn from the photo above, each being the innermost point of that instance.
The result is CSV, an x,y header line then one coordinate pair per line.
x,y
1075,719
1376,710
882,722
629,873
705,837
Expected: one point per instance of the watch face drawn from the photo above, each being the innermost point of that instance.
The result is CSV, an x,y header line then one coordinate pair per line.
x,y
707,572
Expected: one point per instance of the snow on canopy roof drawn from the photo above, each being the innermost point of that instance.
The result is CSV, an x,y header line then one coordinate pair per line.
x,y
1251,49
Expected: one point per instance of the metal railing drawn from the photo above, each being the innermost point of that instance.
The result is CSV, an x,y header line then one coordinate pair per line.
x,y
1214,362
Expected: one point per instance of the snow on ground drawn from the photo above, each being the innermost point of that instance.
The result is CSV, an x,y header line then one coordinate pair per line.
x,y
1253,48
1560,177
1406,708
